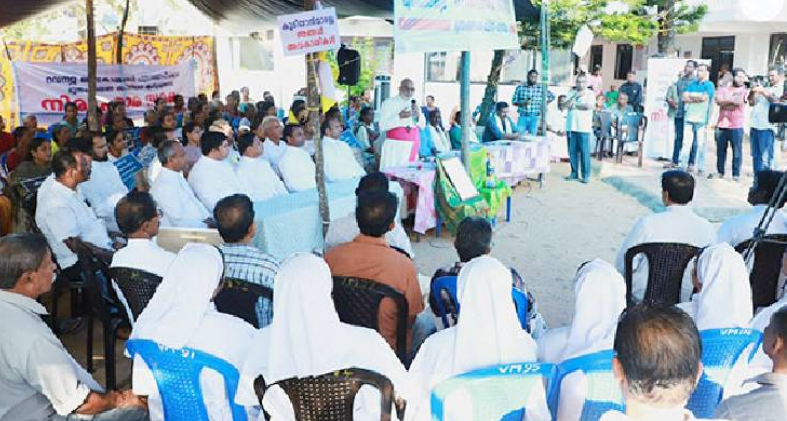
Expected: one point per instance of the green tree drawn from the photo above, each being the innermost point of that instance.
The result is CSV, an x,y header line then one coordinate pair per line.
x,y
367,52
675,17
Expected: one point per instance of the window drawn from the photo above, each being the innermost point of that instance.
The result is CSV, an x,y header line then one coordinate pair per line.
x,y
442,67
721,52
252,53
623,60
778,51
596,57
147,30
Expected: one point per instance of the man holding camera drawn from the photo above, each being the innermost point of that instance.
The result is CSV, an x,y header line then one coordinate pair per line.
x,y
762,131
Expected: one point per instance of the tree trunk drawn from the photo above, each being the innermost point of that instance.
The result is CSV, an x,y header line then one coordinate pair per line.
x,y
491,87
121,32
666,36
313,105
92,117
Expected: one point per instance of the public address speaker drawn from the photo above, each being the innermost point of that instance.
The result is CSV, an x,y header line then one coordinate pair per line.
x,y
349,66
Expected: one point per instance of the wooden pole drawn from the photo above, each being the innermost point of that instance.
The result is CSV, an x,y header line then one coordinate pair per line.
x,y
465,107
313,106
92,117
121,32
544,63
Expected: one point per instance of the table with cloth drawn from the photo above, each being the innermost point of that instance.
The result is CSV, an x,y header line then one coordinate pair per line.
x,y
514,160
419,179
291,223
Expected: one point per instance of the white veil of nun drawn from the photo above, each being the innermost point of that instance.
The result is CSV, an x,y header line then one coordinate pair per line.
x,y
725,298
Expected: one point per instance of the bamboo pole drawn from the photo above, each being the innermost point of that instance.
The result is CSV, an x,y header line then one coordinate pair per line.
x,y
465,107
92,117
121,33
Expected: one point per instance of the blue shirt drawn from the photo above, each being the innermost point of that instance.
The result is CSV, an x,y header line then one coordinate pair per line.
x,y
634,92
492,132
699,112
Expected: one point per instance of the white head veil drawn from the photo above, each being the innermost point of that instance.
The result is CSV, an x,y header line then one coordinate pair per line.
x,y
175,312
600,297
725,299
488,331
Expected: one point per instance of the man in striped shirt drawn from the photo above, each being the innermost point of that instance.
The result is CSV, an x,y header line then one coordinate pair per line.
x,y
528,98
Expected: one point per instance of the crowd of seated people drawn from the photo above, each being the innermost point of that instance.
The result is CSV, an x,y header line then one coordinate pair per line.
x,y
82,201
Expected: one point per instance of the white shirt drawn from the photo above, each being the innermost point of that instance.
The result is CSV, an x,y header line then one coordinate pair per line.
x,y
61,214
581,120
340,163
143,254
103,190
177,200
740,228
38,377
213,180
389,113
759,112
273,152
676,224
681,414
259,179
297,170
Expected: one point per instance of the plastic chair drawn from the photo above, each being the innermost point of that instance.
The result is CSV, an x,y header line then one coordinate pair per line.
x,y
239,298
497,393
603,393
177,373
764,276
357,302
637,124
137,287
667,263
443,294
603,123
721,349
330,397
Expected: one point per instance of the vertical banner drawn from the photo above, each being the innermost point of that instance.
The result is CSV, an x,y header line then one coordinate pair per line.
x,y
454,25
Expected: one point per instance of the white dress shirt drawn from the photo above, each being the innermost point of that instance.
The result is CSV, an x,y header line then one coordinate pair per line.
x,y
61,214
740,228
389,113
176,199
259,179
213,180
103,190
143,254
581,121
676,224
273,152
340,162
297,170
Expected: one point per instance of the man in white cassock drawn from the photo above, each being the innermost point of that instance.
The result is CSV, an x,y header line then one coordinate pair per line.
x,y
296,165
213,177
399,122
740,228
340,162
173,194
273,147
256,173
104,188
676,224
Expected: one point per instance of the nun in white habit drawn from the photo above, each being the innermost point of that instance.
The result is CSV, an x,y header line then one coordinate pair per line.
x,y
181,314
599,298
487,333
306,338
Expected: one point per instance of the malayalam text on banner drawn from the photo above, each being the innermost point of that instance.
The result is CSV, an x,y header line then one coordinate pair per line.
x,y
309,32
454,25
43,89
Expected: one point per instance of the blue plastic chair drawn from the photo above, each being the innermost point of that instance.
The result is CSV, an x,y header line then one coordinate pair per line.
x,y
177,374
721,349
603,393
448,284
497,393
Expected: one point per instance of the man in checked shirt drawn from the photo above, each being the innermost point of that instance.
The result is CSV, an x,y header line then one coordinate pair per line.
x,y
528,98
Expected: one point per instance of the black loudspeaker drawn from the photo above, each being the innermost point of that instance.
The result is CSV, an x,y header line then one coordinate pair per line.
x,y
349,66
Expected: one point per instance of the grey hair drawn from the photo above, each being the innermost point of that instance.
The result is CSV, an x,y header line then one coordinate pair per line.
x,y
166,150
19,254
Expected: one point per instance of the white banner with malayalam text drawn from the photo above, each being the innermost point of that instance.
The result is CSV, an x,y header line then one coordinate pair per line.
x,y
454,25
43,89
309,32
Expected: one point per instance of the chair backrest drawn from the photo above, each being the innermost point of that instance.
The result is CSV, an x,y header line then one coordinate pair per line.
x,y
603,392
721,349
764,276
357,302
443,291
137,287
239,298
667,263
177,374
96,273
605,123
636,122
330,397
496,392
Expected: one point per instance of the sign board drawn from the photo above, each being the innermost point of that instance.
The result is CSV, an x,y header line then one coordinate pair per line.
x,y
309,32
43,89
660,135
128,166
454,25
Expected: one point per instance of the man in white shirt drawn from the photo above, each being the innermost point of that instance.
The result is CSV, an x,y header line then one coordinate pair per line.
x,y
62,215
340,162
39,379
296,166
213,178
657,363
104,188
255,172
762,132
579,125
740,228
139,219
399,122
676,224
174,195
270,130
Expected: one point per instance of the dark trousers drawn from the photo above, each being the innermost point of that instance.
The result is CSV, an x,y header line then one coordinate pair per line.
x,y
678,140
579,153
732,137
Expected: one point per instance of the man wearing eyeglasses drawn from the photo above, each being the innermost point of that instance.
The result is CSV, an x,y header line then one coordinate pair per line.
x,y
399,117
